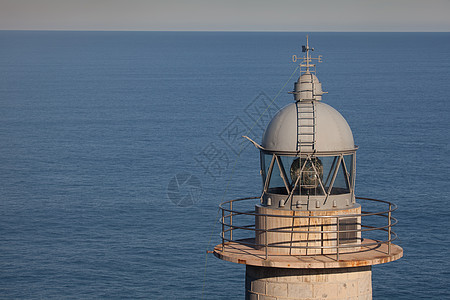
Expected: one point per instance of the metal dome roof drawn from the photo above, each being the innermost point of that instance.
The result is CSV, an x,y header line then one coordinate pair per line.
x,y
331,133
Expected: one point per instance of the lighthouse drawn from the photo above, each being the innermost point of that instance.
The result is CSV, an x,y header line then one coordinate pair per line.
x,y
308,236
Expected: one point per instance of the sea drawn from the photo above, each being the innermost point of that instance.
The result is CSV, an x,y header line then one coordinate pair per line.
x,y
116,149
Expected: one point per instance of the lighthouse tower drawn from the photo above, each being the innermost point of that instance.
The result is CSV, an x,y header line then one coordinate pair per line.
x,y
308,236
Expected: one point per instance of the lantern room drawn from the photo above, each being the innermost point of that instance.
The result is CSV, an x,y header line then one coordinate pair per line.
x,y
308,159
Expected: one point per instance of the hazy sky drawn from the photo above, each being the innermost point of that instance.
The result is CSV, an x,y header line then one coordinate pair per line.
x,y
288,15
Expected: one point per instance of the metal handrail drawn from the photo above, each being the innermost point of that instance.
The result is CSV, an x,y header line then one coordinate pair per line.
x,y
230,214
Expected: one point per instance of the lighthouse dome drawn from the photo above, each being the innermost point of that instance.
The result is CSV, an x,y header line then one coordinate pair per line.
x,y
328,132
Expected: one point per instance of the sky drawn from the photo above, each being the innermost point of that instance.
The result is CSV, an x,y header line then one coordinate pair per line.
x,y
226,15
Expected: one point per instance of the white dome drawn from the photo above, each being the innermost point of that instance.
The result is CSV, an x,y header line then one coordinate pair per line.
x,y
332,132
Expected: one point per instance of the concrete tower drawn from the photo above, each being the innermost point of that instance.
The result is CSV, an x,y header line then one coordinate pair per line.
x,y
307,237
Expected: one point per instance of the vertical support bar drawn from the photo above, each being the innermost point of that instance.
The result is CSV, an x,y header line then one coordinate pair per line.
x,y
338,229
231,220
353,176
389,229
265,234
322,237
223,230
269,175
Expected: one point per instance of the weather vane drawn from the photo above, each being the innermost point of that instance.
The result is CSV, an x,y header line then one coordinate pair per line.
x,y
307,59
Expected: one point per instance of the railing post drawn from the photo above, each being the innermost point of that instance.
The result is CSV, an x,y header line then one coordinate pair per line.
x,y
231,220
389,229
321,240
337,246
265,234
223,230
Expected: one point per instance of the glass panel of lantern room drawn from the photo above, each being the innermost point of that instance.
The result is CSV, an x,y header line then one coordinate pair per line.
x,y
276,184
329,165
266,159
287,165
311,176
340,185
348,159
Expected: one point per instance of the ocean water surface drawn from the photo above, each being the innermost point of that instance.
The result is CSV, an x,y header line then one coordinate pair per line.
x,y
117,147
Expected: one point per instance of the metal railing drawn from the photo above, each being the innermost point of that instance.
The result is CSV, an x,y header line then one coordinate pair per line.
x,y
234,223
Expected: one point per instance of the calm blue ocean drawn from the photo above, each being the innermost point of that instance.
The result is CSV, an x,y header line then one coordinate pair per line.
x,y
97,127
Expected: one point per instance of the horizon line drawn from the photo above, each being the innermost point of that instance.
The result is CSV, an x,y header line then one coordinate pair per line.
x,y
173,30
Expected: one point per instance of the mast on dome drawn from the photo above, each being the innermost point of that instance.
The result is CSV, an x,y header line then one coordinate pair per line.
x,y
308,86
306,64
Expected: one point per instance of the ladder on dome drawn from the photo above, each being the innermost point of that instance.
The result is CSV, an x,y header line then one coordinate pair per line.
x,y
306,125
